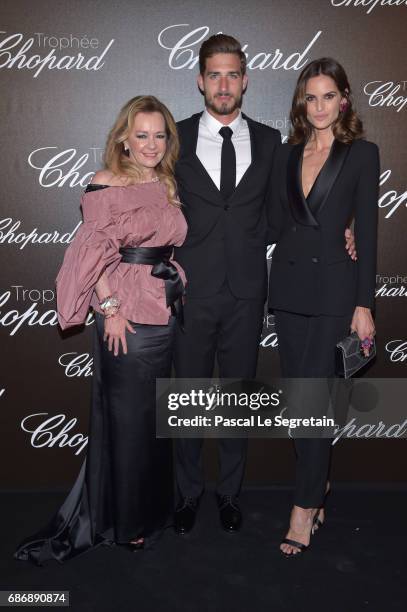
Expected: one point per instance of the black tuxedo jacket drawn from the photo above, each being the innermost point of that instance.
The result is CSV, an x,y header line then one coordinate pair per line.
x,y
311,271
226,238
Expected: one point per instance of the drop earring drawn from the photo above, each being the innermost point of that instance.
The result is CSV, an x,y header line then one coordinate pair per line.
x,y
343,106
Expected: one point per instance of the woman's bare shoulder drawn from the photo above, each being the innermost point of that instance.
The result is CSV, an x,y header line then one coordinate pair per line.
x,y
106,177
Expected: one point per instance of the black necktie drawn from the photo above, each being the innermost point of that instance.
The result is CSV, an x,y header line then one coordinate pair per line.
x,y
228,163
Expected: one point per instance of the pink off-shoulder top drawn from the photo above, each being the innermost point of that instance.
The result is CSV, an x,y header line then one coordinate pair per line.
x,y
114,217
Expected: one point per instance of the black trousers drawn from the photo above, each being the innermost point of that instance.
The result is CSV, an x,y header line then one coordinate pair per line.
x,y
228,328
306,346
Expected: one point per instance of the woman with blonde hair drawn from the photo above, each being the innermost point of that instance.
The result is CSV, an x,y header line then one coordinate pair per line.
x,y
120,263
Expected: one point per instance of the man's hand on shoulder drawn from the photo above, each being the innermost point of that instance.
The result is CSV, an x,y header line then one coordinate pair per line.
x,y
350,244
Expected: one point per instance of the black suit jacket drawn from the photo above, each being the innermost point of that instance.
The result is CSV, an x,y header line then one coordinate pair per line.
x,y
226,238
311,271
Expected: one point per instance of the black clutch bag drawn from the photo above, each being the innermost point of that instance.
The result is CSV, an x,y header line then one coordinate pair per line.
x,y
349,358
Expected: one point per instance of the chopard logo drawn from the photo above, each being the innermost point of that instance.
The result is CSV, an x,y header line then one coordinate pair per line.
x,y
386,93
361,430
23,294
15,318
391,199
15,52
369,4
397,350
76,365
60,168
183,46
10,234
53,432
269,340
398,286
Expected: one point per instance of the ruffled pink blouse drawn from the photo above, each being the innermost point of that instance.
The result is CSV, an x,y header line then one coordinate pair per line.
x,y
114,217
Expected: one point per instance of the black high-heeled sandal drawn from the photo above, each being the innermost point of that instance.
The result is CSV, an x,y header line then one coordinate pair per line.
x,y
317,521
302,547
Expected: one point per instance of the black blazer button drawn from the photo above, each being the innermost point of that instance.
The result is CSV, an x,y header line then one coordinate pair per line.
x,y
226,207
294,228
315,260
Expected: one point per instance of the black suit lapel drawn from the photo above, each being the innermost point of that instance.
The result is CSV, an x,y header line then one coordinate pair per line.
x,y
305,210
191,162
326,178
189,158
299,206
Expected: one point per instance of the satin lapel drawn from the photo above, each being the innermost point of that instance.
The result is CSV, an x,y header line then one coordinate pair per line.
x,y
299,206
190,158
327,177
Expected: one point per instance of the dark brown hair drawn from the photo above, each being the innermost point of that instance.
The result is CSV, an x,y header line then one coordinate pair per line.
x,y
221,43
347,126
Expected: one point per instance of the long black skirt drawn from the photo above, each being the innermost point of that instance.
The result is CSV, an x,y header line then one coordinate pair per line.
x,y
125,486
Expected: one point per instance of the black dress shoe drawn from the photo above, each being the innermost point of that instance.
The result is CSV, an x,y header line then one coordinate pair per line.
x,y
184,516
229,513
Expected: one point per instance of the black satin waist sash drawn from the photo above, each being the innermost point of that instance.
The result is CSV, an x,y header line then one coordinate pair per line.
x,y
159,258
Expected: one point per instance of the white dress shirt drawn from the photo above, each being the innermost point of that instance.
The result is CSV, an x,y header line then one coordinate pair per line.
x,y
209,145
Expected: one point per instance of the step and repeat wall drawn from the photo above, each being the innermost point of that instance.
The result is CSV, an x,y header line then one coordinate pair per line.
x,y
66,68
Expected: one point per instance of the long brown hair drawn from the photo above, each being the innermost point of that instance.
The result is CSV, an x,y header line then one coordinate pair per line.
x,y
117,161
347,126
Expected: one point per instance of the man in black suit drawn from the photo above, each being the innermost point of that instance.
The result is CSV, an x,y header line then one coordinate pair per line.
x,y
223,177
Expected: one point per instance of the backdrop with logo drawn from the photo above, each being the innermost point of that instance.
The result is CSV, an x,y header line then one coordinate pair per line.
x,y
65,69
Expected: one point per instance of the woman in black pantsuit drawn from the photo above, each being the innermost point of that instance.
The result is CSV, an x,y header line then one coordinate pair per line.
x,y
323,179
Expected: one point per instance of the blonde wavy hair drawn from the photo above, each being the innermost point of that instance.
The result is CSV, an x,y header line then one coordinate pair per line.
x,y
117,161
